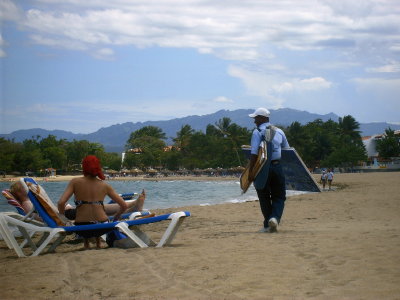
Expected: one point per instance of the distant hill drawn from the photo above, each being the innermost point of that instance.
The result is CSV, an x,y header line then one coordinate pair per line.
x,y
114,137
23,134
376,128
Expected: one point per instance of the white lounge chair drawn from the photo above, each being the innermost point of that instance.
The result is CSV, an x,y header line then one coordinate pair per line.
x,y
56,227
31,216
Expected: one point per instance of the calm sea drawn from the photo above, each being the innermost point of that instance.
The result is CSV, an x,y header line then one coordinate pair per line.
x,y
164,194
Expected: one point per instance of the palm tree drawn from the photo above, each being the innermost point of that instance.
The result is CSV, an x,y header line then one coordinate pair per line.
x,y
147,131
349,148
389,145
297,136
233,132
183,137
223,125
348,130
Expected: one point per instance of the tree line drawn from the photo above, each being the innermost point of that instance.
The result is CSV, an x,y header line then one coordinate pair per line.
x,y
219,146
37,154
320,144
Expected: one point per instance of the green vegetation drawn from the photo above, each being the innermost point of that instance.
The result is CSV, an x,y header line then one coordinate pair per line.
x,y
328,144
35,155
219,146
389,145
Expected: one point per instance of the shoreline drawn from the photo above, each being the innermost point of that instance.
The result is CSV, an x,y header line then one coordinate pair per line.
x,y
341,244
127,178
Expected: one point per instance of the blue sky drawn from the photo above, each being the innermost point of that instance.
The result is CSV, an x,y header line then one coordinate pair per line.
x,y
82,65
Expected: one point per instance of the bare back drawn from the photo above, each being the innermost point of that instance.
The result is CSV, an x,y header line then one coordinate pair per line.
x,y
90,189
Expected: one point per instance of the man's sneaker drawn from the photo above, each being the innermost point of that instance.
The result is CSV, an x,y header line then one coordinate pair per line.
x,y
273,225
265,230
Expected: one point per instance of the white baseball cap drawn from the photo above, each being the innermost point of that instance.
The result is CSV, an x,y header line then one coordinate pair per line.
x,y
260,112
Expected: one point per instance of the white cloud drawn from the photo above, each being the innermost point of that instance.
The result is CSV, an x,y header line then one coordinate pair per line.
x,y
9,11
377,99
354,8
387,88
267,44
33,109
122,111
239,54
223,99
390,68
313,84
395,48
104,53
274,87
233,30
59,43
380,93
261,85
2,44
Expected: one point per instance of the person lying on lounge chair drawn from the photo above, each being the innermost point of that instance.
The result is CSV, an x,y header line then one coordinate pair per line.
x,y
90,191
19,194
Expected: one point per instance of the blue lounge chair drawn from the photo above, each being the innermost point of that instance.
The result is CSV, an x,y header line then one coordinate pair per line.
x,y
57,227
30,215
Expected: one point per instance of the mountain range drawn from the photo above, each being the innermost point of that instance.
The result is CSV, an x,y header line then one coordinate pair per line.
x,y
114,137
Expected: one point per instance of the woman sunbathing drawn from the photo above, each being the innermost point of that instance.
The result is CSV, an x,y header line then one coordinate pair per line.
x,y
89,194
86,187
18,194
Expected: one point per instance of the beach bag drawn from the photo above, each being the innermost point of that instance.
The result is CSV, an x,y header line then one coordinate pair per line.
x,y
117,239
262,176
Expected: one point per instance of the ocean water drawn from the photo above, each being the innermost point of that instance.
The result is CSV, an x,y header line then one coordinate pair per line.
x,y
165,194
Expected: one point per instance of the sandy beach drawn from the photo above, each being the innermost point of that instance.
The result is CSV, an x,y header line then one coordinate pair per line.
x,y
341,244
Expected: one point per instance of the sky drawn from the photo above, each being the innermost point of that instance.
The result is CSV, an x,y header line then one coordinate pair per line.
x,y
82,65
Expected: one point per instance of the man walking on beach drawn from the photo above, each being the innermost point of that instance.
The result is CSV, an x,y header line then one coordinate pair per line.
x,y
270,184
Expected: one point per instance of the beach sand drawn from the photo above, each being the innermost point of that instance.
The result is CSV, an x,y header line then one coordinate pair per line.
x,y
342,244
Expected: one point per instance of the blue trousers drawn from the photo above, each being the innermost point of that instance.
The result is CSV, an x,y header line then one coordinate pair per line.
x,y
272,197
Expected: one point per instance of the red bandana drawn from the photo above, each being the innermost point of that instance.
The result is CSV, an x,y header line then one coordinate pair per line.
x,y
91,166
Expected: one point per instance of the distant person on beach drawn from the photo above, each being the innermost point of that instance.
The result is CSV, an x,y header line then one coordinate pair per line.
x,y
323,178
329,177
90,191
272,193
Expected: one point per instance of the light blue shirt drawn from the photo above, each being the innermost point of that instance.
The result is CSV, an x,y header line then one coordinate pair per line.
x,y
278,142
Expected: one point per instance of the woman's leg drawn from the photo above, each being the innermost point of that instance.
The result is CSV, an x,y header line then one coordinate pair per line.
x,y
86,243
99,243
133,205
137,205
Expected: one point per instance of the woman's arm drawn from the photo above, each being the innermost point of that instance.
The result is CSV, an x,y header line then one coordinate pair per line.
x,y
69,190
117,199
